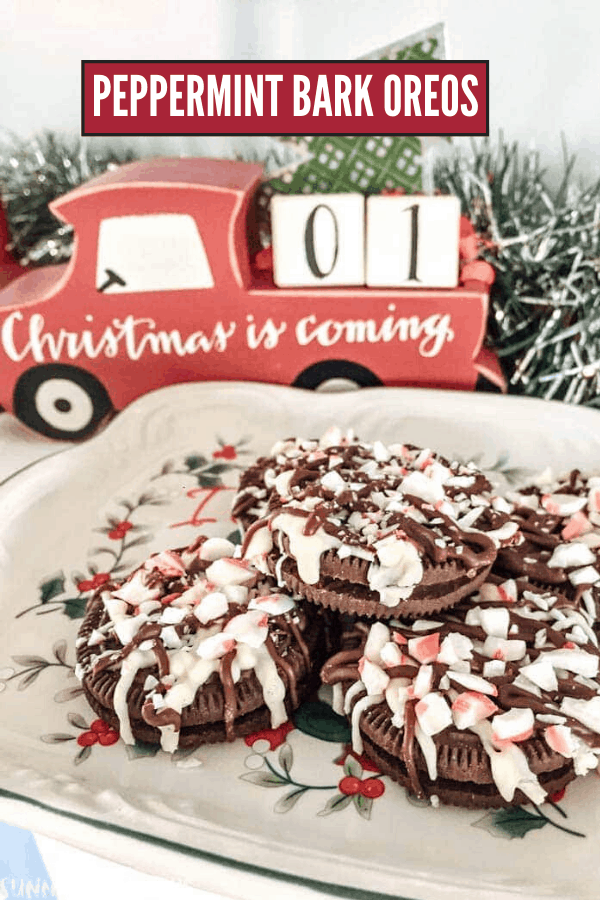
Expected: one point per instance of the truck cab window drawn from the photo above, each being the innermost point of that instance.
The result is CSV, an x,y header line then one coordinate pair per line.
x,y
151,253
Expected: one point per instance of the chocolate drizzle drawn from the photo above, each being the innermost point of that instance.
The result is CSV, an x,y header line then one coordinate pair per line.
x,y
284,666
160,718
408,749
230,703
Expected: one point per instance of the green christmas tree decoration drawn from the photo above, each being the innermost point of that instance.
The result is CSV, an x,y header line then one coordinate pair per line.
x,y
342,164
364,163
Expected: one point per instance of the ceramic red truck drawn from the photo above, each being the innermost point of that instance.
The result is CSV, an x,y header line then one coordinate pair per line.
x,y
163,287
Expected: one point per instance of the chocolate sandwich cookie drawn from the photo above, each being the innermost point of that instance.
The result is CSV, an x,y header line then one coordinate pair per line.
x,y
560,546
379,531
496,703
196,647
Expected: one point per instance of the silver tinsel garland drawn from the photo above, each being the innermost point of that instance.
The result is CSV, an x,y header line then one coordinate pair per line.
x,y
544,245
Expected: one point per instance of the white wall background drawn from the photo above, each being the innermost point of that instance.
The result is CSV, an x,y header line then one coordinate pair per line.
x,y
544,56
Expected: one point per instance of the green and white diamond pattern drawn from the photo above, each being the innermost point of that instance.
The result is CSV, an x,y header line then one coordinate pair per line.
x,y
368,164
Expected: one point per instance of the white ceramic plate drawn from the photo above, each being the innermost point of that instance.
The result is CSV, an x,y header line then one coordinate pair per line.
x,y
166,468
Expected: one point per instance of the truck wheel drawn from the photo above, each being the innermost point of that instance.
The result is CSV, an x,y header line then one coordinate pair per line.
x,y
336,374
60,401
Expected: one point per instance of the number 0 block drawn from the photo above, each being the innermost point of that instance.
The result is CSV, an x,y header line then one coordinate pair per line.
x,y
318,239
412,241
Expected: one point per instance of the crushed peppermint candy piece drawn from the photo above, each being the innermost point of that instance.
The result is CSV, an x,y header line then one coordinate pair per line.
x,y
216,548
378,637
499,593
168,563
454,647
249,628
585,575
471,707
127,628
542,673
423,682
373,677
495,621
560,739
273,604
572,555
229,571
212,606
507,650
433,713
425,649
216,646
494,668
136,591
577,525
562,504
391,655
585,711
573,660
514,725
473,682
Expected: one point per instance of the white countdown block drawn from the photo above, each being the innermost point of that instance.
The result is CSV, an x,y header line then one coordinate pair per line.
x,y
318,239
412,241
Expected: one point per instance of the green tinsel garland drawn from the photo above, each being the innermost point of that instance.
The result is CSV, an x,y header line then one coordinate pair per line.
x,y
544,244
32,174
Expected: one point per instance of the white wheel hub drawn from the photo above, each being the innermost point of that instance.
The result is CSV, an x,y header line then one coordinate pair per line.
x,y
63,404
337,386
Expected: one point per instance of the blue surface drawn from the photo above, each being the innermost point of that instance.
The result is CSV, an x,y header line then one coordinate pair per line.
x,y
22,871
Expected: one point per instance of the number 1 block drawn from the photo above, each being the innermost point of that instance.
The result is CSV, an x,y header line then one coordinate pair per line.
x,y
412,241
318,239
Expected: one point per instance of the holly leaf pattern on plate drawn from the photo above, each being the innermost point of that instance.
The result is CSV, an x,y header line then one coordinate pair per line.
x,y
28,679
286,758
68,694
77,721
83,754
195,461
139,750
52,587
264,779
364,805
28,661
319,720
511,823
352,767
74,607
59,649
335,804
284,804
57,738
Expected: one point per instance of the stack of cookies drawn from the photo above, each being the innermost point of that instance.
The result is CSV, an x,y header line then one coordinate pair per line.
x,y
456,627
470,664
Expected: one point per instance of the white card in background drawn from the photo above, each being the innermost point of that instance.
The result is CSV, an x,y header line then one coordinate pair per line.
x,y
412,241
318,239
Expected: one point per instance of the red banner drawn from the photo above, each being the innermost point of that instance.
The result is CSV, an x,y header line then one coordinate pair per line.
x,y
430,97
